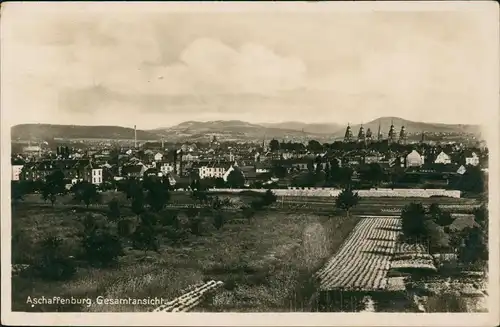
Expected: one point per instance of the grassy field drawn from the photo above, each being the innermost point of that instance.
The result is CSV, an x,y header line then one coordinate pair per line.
x,y
266,262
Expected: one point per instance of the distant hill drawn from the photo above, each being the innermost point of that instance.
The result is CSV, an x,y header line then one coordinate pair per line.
x,y
315,128
234,130
231,130
411,127
50,131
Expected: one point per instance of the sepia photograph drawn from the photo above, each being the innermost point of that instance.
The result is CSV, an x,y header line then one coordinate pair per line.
x,y
179,160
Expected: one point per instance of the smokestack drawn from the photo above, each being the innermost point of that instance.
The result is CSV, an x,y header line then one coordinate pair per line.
x,y
135,137
162,143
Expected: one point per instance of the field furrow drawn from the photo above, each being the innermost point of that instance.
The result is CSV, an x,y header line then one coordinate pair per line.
x,y
363,260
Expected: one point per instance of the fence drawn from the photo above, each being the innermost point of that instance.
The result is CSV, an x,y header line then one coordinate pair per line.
x,y
380,192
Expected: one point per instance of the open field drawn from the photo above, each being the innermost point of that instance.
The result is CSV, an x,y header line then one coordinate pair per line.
x,y
264,262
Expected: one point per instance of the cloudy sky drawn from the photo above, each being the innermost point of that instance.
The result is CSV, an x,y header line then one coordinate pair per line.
x,y
78,64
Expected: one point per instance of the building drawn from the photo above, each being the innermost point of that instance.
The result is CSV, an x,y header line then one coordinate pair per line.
x,y
368,135
17,167
158,156
166,167
414,159
403,136
261,168
348,134
392,134
214,170
361,134
443,158
93,174
133,171
471,159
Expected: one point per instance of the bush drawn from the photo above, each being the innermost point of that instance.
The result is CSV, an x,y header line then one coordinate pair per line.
x,y
175,235
145,238
257,204
52,264
114,210
269,198
101,247
413,219
125,227
169,218
219,220
195,224
248,212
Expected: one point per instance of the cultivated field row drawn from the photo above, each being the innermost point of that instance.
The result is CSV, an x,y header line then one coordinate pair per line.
x,y
364,259
190,299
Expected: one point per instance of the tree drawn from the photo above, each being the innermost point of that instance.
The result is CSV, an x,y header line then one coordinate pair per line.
x,y
269,198
52,263
235,179
413,219
101,247
17,192
472,180
475,247
274,145
138,205
314,146
157,196
347,199
345,176
55,181
114,210
145,238
195,221
86,192
220,183
219,219
374,173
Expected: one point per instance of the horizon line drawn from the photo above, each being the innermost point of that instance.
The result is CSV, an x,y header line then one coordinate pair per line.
x,y
254,123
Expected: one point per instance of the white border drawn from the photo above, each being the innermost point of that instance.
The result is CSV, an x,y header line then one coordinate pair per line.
x,y
491,15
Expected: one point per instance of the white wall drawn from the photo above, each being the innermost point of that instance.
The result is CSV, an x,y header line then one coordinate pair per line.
x,y
418,193
16,171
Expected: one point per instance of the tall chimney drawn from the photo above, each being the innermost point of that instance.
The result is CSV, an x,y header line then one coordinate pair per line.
x,y
135,137
162,143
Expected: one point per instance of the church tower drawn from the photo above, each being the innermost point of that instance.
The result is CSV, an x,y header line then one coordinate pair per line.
x,y
379,133
403,135
368,135
361,134
348,134
392,133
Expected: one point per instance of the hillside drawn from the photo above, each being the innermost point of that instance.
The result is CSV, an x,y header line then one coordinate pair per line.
x,y
50,131
234,130
411,127
316,128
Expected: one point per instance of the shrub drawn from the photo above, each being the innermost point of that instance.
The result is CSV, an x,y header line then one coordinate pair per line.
x,y
248,212
413,219
269,198
175,235
219,220
52,264
125,227
257,204
101,247
145,238
195,224
114,210
169,218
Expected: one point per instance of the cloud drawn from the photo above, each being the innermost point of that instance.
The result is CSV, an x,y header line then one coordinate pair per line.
x,y
310,66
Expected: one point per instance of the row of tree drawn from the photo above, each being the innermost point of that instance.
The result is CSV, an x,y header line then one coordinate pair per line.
x,y
432,226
